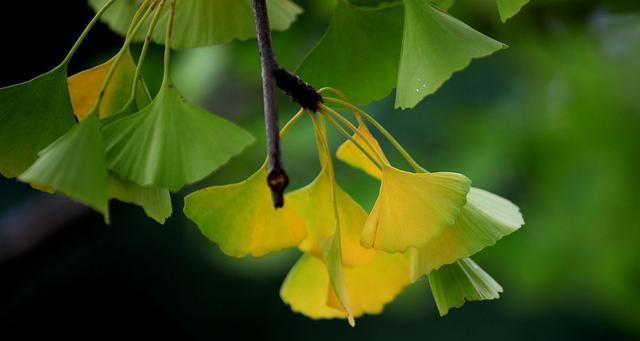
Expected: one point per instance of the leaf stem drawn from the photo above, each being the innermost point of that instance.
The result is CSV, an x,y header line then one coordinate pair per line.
x,y
127,42
344,132
291,122
334,91
355,130
167,45
84,33
382,130
145,48
324,145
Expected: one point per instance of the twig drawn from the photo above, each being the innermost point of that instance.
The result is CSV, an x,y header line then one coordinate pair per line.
x,y
277,178
298,90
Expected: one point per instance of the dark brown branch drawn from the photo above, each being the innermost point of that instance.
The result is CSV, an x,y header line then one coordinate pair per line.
x,y
299,91
277,178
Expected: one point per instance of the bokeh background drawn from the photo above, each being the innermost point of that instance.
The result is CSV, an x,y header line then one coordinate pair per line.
x,y
553,123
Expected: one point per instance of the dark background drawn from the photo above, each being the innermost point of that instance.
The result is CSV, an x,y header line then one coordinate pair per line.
x,y
551,123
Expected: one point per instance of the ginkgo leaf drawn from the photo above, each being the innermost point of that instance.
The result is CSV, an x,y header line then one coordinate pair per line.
x,y
483,221
33,114
156,202
75,165
434,46
326,233
85,86
412,208
370,286
171,143
305,289
454,284
352,155
359,41
509,8
241,219
315,205
202,22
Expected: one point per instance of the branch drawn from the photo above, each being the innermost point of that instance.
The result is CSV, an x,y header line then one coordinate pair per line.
x,y
277,178
300,92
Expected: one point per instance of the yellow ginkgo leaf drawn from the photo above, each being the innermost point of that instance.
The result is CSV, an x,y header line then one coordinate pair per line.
x,y
412,208
315,205
352,155
318,204
483,221
306,288
85,86
241,218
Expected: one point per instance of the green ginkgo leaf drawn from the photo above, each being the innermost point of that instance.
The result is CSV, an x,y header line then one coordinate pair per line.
x,y
156,202
202,22
171,143
75,165
359,53
509,8
434,46
241,219
454,284
32,115
484,219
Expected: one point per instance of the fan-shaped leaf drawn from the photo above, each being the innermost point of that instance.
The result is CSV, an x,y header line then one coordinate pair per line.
x,y
171,143
75,165
483,221
434,46
412,208
359,53
461,281
241,218
370,286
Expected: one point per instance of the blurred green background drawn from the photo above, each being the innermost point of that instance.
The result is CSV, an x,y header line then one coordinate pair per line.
x,y
552,123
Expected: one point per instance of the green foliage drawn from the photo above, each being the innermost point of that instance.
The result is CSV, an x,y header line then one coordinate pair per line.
x,y
359,53
202,22
33,114
75,165
454,284
135,149
366,53
171,143
155,201
434,46
509,8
